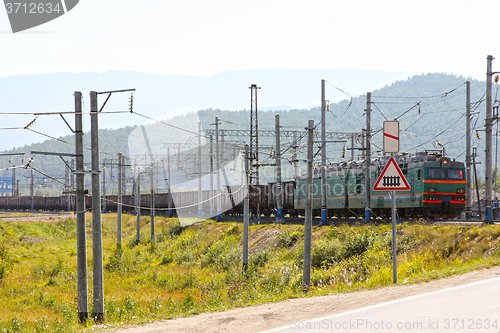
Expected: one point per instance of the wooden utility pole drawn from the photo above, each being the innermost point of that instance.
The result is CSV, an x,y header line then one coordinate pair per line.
x,y
81,233
98,277
306,275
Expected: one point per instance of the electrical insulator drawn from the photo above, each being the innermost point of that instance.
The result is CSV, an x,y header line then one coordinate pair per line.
x,y
328,107
343,152
131,106
30,124
496,78
477,135
419,110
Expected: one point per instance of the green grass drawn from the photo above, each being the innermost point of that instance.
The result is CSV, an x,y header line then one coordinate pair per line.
x,y
198,268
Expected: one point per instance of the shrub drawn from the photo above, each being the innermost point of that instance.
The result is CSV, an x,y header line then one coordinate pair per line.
x,y
325,252
5,262
174,228
223,254
287,239
357,243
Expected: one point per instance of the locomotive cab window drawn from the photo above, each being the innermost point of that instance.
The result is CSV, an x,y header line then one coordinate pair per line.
x,y
436,173
455,174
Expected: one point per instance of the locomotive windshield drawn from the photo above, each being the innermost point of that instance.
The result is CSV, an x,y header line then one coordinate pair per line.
x,y
455,174
436,174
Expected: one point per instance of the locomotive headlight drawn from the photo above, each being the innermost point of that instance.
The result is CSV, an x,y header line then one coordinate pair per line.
x,y
432,190
460,190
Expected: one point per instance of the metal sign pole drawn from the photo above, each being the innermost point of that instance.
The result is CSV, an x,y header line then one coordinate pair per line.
x,y
394,247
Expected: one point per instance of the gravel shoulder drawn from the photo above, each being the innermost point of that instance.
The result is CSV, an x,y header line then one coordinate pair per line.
x,y
266,317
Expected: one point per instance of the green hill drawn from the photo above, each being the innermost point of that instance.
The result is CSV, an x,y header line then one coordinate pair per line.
x,y
430,108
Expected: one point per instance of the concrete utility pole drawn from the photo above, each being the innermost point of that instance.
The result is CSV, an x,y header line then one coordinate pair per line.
x,y
169,184
66,181
363,148
474,154
81,234
72,177
468,158
211,178
119,204
488,218
32,191
368,198
14,181
324,211
200,176
279,185
246,210
96,213
138,205
352,147
295,143
104,188
306,274
217,158
151,181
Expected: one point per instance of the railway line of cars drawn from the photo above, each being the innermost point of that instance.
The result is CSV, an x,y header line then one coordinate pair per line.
x,y
438,187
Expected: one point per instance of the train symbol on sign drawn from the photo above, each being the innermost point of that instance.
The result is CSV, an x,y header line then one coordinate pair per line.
x,y
391,178
391,181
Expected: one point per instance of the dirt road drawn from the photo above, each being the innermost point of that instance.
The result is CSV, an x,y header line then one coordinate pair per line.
x,y
265,317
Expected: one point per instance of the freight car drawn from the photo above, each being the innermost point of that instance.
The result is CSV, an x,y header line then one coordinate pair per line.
x,y
437,184
437,191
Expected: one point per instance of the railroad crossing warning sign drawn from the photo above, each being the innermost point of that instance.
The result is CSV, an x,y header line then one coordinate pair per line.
x,y
391,136
391,178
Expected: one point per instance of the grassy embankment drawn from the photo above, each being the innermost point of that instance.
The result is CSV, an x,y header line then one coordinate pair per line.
x,y
198,268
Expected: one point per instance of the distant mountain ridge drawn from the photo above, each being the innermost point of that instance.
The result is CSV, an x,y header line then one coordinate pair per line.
x,y
430,109
168,95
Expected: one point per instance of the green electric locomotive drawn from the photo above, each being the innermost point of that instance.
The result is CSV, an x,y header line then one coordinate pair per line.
x,y
438,186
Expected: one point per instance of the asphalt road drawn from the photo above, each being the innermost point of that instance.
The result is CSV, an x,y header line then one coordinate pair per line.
x,y
473,307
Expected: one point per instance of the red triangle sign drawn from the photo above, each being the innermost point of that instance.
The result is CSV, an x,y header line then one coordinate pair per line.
x,y
391,178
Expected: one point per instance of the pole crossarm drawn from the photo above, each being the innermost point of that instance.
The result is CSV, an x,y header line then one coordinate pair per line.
x,y
11,154
36,152
114,91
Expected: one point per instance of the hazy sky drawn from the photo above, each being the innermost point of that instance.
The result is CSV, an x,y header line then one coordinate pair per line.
x,y
204,38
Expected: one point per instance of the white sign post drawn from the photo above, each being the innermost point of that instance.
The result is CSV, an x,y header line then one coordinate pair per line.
x,y
392,179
